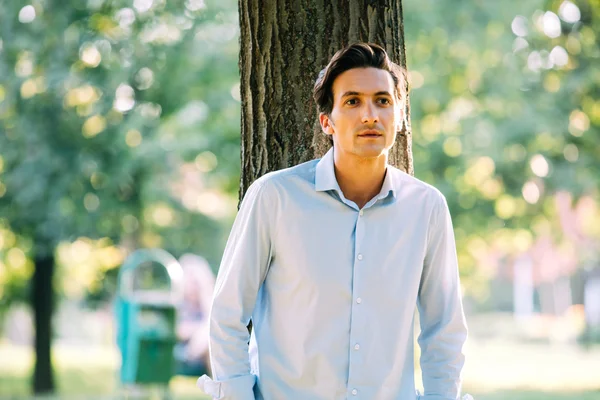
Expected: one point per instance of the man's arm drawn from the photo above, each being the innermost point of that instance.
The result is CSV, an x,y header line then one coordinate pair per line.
x,y
242,271
443,326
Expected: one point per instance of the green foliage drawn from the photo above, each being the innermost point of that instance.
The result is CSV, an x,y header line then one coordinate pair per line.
x,y
121,123
117,122
501,122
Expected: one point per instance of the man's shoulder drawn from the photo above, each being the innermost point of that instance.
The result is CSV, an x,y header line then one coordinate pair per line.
x,y
286,177
412,185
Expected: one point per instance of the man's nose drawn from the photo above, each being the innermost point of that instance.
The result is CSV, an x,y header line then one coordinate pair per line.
x,y
370,115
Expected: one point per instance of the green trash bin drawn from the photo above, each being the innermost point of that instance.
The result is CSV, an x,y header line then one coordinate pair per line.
x,y
146,320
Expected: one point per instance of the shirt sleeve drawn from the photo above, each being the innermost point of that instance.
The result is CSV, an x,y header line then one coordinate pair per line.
x,y
443,325
242,271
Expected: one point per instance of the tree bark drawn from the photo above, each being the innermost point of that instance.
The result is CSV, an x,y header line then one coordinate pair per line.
x,y
42,300
283,46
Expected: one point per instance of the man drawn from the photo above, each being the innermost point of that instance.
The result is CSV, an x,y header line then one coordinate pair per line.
x,y
331,258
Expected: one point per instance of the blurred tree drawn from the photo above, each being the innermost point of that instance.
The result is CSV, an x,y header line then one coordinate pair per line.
x,y
504,114
100,122
283,48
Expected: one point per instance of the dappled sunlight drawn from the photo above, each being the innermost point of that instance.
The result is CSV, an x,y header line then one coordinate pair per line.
x,y
27,14
83,264
124,98
539,165
90,55
516,136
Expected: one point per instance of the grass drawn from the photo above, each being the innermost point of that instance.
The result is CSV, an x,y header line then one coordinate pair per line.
x,y
498,367
81,372
537,395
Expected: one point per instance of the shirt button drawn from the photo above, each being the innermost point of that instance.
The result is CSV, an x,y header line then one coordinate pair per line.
x,y
354,392
357,346
361,212
359,300
360,257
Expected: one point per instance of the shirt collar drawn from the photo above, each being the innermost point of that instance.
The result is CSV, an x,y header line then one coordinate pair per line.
x,y
325,174
389,184
325,177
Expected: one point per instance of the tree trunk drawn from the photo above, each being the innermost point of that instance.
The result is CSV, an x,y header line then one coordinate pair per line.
x,y
284,45
42,299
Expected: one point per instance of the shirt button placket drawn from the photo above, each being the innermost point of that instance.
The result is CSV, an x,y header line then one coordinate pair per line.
x,y
355,330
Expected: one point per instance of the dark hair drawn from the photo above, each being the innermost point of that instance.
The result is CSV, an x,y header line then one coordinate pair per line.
x,y
357,55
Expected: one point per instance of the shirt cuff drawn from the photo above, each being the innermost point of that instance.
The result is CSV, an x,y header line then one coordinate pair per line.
x,y
239,388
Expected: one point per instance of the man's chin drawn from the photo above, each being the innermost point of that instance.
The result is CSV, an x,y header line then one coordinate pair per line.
x,y
371,152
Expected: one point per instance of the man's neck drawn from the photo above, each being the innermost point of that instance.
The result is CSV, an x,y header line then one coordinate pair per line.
x,y
360,179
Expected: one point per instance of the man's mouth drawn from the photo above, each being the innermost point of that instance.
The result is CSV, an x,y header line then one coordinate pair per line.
x,y
371,133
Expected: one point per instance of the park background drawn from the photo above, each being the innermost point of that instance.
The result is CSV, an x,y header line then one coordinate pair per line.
x,y
120,129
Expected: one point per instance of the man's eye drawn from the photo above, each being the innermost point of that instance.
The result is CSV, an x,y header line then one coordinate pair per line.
x,y
352,102
385,101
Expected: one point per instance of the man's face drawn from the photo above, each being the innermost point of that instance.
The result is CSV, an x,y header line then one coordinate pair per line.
x,y
366,113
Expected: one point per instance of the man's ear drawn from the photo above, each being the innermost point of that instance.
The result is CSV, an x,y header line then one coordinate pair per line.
x,y
326,123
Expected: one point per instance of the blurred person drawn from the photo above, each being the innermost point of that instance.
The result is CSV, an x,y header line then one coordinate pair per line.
x,y
330,259
191,351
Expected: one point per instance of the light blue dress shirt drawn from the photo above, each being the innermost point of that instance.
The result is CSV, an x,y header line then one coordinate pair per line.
x,y
331,290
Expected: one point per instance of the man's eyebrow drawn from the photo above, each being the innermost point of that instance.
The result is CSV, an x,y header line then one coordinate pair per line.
x,y
380,93
350,94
